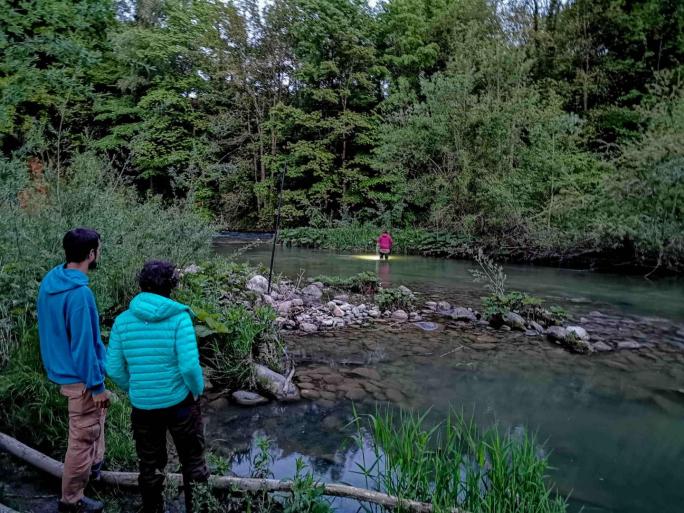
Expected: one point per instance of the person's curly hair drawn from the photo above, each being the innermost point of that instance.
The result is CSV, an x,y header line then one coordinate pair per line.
x,y
158,277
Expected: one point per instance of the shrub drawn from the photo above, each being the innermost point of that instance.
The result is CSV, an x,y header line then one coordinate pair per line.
x,y
392,299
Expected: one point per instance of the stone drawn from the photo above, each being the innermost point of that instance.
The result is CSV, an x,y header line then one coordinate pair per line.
x,y
276,385
268,299
327,323
317,284
306,385
355,311
514,321
219,404
394,395
342,297
312,292
258,283
245,398
297,302
431,305
399,315
628,344
374,313
531,333
355,394
463,314
536,327
284,308
427,326
505,327
443,306
310,394
338,312
556,333
308,327
601,347
579,332
405,290
367,373
331,305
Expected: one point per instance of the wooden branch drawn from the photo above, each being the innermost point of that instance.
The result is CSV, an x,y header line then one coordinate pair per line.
x,y
244,484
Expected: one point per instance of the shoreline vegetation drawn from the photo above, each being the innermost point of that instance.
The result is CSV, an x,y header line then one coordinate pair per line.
x,y
623,258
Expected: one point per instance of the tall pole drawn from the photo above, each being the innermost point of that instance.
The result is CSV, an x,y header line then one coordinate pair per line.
x,y
277,225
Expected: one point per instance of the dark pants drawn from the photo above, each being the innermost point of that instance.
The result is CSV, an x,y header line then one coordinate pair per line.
x,y
385,255
184,422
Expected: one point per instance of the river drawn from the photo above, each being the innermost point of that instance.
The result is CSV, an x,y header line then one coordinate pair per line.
x,y
612,424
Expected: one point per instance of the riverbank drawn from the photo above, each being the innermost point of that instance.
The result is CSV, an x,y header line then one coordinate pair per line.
x,y
624,256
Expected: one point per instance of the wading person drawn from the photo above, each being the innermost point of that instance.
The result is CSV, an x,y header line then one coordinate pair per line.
x,y
385,245
153,355
73,356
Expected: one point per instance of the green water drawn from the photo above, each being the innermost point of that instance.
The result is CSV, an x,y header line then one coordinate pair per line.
x,y
613,424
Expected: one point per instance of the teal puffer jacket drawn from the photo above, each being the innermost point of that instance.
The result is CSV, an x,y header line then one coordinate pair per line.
x,y
153,353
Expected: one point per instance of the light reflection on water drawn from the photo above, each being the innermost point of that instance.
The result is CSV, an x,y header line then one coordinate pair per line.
x,y
615,433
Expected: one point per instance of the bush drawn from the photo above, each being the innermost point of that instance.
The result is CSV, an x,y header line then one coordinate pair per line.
x,y
87,194
393,299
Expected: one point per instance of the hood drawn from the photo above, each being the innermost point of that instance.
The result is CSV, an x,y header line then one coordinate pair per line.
x,y
60,280
153,307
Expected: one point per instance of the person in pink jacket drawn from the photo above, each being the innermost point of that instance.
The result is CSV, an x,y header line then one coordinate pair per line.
x,y
385,245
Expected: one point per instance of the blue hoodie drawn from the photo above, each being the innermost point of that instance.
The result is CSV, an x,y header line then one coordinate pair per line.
x,y
69,329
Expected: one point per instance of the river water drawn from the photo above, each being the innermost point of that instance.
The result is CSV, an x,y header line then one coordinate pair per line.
x,y
612,424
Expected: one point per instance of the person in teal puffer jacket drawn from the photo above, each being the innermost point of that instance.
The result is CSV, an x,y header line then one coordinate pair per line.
x,y
153,355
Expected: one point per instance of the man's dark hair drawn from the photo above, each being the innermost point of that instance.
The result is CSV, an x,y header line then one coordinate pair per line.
x,y
78,243
158,277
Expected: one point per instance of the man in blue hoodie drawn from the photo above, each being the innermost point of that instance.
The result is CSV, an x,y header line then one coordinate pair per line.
x,y
74,358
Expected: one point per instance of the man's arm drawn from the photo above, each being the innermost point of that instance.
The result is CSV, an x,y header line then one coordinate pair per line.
x,y
82,320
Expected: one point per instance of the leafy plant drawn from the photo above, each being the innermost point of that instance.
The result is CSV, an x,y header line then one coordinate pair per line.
x,y
395,298
306,495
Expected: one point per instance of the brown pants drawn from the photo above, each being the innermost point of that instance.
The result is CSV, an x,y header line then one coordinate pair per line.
x,y
86,441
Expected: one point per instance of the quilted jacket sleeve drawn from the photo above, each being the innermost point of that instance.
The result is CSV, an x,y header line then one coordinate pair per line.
x,y
188,355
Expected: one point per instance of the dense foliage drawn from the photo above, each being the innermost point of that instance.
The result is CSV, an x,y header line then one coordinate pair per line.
x,y
550,129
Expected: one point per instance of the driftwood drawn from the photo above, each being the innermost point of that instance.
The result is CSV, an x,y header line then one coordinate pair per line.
x,y
244,484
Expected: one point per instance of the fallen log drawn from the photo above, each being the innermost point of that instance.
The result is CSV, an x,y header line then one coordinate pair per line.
x,y
243,484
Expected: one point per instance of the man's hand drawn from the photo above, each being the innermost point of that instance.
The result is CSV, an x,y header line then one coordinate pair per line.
x,y
102,400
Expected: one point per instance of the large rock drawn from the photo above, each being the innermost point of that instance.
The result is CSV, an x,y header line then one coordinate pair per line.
x,y
579,332
258,283
536,327
284,308
312,292
244,398
405,290
602,347
463,314
308,327
557,333
276,385
337,311
628,344
514,321
399,315
444,306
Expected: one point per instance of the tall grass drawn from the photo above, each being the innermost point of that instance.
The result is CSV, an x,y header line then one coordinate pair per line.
x,y
455,465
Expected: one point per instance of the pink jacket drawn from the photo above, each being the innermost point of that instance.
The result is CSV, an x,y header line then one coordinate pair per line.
x,y
385,241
